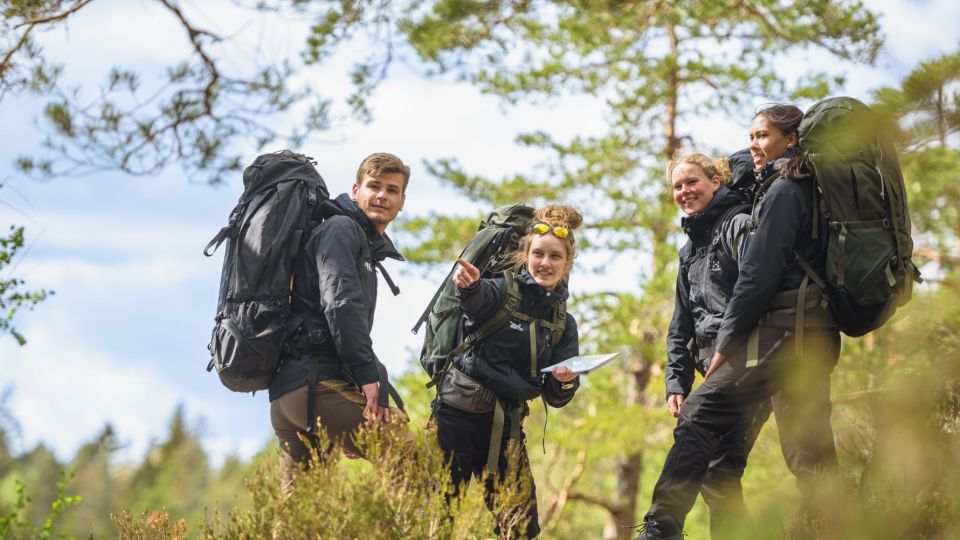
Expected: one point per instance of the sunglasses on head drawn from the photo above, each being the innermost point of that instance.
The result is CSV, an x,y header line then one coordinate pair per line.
x,y
543,228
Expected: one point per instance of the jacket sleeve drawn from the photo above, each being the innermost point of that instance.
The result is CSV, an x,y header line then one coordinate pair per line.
x,y
680,363
734,236
337,250
483,299
768,255
556,393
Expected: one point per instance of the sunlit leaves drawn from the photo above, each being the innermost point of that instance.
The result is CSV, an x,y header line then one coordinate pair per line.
x,y
12,296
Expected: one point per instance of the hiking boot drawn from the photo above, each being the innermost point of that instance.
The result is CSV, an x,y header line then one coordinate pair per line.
x,y
663,529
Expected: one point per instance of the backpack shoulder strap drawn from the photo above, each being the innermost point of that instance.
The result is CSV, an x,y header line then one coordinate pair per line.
x,y
496,321
726,250
560,323
762,190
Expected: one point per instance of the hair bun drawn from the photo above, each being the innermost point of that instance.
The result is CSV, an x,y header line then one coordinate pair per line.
x,y
559,214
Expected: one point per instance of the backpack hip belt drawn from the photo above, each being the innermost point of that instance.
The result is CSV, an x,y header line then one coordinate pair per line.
x,y
797,310
785,309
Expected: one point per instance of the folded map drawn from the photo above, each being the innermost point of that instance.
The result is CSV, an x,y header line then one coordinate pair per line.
x,y
584,364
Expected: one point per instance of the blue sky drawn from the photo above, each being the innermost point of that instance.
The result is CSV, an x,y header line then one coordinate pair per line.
x,y
123,340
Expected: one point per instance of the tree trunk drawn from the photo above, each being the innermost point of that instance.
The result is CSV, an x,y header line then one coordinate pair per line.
x,y
631,467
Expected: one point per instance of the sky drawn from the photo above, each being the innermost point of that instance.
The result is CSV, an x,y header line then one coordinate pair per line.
x,y
123,340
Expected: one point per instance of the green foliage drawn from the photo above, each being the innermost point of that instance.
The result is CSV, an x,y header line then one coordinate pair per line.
x,y
199,117
400,493
94,482
12,297
15,523
925,118
177,465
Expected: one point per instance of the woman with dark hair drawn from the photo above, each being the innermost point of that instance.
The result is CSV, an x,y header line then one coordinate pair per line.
x,y
763,350
483,395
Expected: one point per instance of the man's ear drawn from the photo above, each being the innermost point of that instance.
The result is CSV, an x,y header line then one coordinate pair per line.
x,y
353,191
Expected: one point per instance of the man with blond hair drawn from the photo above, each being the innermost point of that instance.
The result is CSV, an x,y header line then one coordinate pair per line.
x,y
329,376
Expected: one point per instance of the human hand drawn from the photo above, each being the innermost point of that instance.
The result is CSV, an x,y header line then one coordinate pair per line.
x,y
674,402
563,374
373,412
465,275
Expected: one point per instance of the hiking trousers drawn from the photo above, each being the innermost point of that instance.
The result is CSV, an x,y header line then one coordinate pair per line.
x,y
339,409
464,438
735,398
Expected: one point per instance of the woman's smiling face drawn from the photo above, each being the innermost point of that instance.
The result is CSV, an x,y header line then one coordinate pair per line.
x,y
692,190
768,142
547,260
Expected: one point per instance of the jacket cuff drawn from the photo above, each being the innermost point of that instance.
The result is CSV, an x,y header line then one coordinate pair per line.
x,y
565,387
365,374
677,389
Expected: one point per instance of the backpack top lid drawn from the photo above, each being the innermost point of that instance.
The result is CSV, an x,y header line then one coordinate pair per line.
x,y
271,169
839,126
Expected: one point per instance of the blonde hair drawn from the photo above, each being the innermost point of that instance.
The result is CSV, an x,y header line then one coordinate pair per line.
x,y
555,215
710,166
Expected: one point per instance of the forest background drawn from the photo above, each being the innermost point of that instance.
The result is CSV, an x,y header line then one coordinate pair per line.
x,y
115,178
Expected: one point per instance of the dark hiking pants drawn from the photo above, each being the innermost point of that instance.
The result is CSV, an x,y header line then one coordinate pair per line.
x,y
465,440
728,407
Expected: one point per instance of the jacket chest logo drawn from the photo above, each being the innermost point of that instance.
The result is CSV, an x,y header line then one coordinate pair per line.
x,y
516,325
368,266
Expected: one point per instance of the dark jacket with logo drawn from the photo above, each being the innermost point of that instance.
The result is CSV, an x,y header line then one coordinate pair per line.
x,y
335,287
782,227
501,361
705,282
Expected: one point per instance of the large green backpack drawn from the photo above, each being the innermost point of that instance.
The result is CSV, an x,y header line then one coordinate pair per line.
x,y
869,271
498,234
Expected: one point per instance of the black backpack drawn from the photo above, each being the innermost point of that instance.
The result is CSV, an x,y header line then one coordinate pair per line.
x,y
498,234
869,271
281,200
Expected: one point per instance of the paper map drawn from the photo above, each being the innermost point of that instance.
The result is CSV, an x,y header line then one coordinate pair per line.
x,y
584,364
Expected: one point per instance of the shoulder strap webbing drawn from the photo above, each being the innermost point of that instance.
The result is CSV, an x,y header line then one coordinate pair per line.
x,y
560,320
495,322
728,261
500,415
433,301
762,190
386,277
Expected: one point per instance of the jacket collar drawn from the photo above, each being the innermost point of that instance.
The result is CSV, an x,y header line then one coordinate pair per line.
x,y
559,294
723,199
381,246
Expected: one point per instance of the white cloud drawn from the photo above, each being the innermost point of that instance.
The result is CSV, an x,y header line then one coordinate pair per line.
x,y
66,388
65,391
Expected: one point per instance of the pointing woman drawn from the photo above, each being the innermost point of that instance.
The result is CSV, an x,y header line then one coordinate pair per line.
x,y
482,398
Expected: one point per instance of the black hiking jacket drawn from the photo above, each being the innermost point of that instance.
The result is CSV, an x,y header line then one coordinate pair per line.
x,y
335,287
705,282
501,361
782,227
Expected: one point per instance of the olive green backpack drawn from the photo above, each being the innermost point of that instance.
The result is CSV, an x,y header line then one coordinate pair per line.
x,y
498,234
869,271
